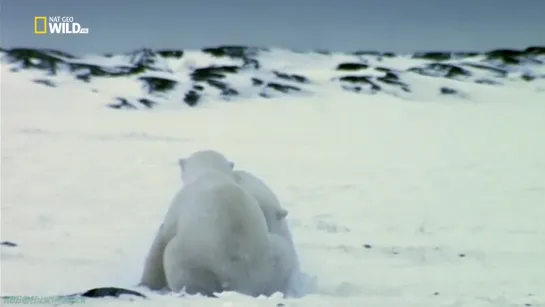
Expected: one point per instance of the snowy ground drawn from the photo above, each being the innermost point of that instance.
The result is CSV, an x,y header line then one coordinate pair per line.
x,y
392,203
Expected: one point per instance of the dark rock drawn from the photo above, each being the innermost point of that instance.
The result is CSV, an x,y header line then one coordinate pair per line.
x,y
291,77
506,56
251,63
143,58
535,50
156,84
191,98
377,54
496,71
198,87
527,77
283,88
367,52
43,59
122,103
368,246
86,71
352,66
231,51
324,52
84,77
213,72
434,56
447,91
465,54
8,243
61,54
393,79
224,87
110,291
147,102
441,70
487,82
257,82
45,82
360,80
176,54
383,69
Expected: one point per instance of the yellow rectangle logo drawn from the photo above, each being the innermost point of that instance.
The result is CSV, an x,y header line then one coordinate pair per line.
x,y
38,20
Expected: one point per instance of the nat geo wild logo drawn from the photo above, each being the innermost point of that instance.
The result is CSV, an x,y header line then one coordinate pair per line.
x,y
58,25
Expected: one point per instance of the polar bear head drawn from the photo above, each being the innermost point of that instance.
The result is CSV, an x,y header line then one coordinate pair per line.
x,y
204,161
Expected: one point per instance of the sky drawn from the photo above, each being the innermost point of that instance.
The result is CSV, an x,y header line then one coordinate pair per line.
x,y
342,25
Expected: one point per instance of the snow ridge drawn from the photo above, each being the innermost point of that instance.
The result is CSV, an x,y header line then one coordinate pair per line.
x,y
149,78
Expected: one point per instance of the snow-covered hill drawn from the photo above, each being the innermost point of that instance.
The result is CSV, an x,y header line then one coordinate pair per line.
x,y
151,78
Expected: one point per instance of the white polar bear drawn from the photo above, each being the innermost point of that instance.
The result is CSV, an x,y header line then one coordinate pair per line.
x,y
275,216
191,168
273,211
214,237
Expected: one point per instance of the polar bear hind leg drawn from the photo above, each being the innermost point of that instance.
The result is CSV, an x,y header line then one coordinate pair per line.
x,y
189,277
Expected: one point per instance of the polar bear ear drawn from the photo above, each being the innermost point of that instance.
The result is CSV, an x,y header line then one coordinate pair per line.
x,y
181,163
232,164
281,214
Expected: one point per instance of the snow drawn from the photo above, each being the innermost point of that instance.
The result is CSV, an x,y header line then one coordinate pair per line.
x,y
392,202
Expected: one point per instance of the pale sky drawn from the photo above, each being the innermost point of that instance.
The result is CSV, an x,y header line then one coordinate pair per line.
x,y
342,25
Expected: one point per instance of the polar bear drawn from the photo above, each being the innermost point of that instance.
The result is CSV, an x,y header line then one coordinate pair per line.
x,y
203,161
281,263
214,237
218,240
275,216
191,168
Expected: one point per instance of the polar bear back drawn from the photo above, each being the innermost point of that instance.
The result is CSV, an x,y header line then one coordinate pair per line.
x,y
268,202
259,189
222,229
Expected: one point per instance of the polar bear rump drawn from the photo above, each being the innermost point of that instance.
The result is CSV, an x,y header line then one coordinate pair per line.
x,y
220,240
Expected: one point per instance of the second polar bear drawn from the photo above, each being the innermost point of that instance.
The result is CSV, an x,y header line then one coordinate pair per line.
x,y
275,216
273,211
215,238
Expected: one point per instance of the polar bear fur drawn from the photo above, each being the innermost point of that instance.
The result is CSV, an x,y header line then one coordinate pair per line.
x,y
203,161
214,237
218,241
191,168
275,216
281,266
268,202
